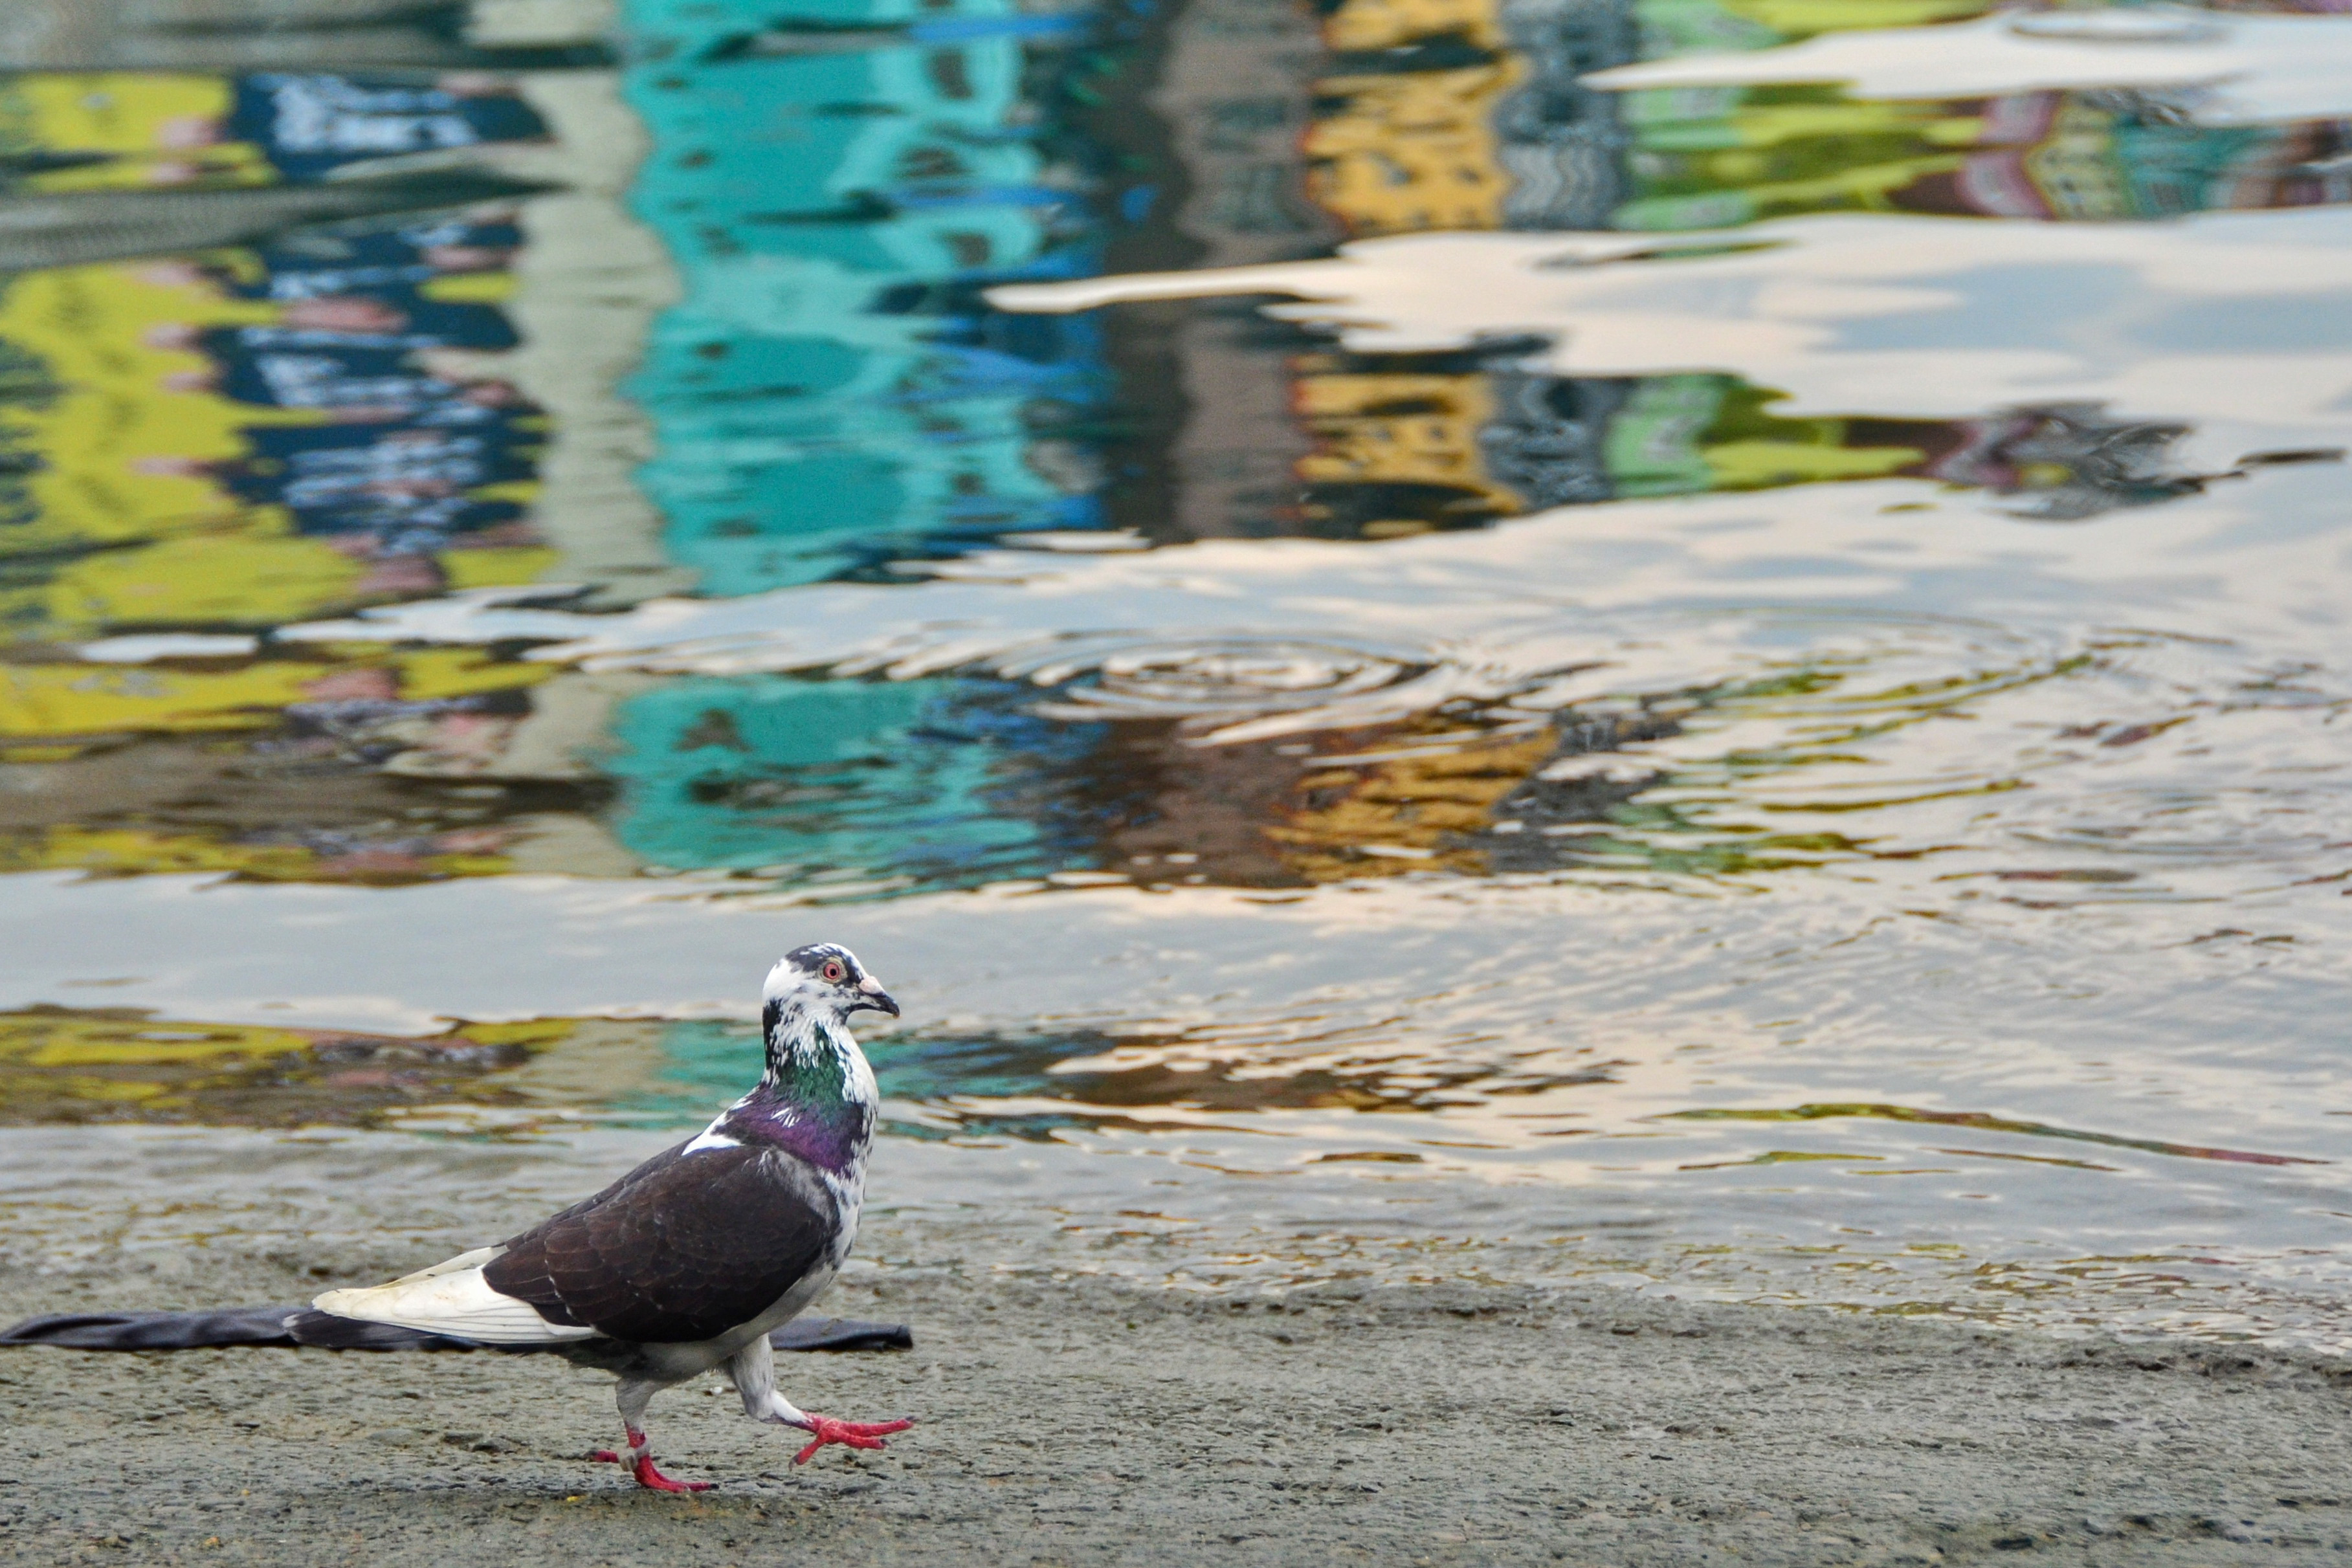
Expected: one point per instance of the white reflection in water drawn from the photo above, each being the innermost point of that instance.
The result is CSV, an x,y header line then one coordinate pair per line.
x,y
1891,314
2251,68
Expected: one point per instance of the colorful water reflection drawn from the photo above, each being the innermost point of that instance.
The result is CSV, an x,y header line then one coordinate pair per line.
x,y
1562,704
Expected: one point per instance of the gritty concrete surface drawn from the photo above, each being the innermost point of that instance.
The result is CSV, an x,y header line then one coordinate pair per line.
x,y
1084,1420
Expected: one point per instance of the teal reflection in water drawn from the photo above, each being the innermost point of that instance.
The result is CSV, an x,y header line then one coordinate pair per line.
x,y
921,782
831,393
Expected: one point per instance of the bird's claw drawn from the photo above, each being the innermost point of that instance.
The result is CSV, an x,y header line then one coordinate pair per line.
x,y
823,1429
648,1474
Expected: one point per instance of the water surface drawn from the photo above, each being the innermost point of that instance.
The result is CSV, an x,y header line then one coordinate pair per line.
x,y
1697,645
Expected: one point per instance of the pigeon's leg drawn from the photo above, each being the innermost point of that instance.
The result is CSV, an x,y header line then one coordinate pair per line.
x,y
632,1399
753,1368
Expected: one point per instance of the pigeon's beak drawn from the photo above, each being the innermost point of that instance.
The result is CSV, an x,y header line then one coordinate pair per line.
x,y
874,996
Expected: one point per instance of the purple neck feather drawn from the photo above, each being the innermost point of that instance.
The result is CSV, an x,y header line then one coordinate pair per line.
x,y
804,1104
832,1143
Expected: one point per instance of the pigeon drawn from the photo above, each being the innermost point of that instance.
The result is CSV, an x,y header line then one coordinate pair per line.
x,y
686,1263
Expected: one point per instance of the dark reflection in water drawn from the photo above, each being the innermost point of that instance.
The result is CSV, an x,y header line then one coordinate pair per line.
x,y
926,784
277,770
1406,445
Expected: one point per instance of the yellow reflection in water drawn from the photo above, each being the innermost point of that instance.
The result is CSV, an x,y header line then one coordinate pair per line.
x,y
56,701
139,850
1405,814
114,1064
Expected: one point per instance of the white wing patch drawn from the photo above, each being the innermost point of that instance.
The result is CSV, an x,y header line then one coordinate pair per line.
x,y
712,1138
451,1298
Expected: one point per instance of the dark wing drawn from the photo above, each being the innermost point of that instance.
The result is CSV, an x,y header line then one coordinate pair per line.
x,y
684,1248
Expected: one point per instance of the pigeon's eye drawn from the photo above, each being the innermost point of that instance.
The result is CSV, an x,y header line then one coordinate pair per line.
x,y
834,973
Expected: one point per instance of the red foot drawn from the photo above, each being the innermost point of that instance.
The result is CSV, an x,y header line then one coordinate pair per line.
x,y
850,1434
648,1474
654,1479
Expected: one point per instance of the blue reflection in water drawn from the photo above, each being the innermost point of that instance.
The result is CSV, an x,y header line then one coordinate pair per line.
x,y
830,392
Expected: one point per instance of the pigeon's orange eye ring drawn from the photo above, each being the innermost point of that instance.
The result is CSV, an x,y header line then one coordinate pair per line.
x,y
834,973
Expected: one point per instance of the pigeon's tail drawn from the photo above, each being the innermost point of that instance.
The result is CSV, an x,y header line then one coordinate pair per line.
x,y
290,1326
316,1329
452,1298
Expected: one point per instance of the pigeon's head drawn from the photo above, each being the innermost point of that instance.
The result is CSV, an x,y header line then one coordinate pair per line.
x,y
822,974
